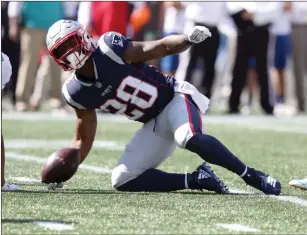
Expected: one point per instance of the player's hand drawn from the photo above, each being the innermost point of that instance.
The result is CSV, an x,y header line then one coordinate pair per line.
x,y
198,34
53,186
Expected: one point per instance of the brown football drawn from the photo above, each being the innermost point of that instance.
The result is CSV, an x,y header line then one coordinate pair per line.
x,y
61,165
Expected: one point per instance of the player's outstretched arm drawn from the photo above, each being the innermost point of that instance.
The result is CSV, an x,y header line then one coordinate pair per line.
x,y
170,45
85,131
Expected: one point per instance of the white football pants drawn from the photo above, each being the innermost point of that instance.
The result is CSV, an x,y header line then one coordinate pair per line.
x,y
148,148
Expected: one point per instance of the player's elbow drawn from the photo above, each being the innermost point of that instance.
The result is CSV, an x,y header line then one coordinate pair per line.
x,y
165,48
169,51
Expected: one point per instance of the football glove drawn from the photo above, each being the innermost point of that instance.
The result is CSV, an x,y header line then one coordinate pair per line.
x,y
198,34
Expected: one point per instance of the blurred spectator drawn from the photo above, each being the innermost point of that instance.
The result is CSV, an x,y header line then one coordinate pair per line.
x,y
208,14
140,16
11,48
30,21
41,84
299,49
252,78
101,17
281,30
71,10
252,20
84,16
173,22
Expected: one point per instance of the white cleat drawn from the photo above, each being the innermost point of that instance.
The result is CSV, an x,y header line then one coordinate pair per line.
x,y
9,187
302,184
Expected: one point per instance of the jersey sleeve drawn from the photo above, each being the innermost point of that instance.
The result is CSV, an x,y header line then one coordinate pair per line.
x,y
70,94
114,45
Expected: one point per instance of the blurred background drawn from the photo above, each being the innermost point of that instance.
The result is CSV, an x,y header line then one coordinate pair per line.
x,y
254,63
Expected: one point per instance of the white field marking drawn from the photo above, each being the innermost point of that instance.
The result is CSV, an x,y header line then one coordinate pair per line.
x,y
238,227
36,116
25,179
42,160
43,116
257,126
253,122
295,200
54,225
50,144
238,191
292,199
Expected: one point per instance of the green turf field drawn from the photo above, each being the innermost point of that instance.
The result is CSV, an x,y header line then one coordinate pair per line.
x,y
88,205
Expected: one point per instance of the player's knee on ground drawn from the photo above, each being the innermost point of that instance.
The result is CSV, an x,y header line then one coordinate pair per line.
x,y
183,134
121,175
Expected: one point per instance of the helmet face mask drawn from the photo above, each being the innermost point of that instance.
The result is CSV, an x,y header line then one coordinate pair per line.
x,y
69,44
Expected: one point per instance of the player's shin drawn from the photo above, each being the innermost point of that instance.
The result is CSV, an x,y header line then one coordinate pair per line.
x,y
213,151
154,180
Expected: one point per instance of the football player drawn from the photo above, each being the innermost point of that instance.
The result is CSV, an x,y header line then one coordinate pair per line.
x,y
302,184
114,77
5,78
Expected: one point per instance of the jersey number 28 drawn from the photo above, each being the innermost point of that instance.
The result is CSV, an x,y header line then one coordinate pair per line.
x,y
132,91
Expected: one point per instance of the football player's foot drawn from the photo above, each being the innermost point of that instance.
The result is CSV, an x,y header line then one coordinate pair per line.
x,y
9,187
262,181
302,184
204,178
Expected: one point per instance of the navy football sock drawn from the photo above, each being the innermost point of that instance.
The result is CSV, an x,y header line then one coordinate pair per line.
x,y
154,180
213,151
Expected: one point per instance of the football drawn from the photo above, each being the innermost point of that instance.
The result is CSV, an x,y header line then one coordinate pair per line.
x,y
61,165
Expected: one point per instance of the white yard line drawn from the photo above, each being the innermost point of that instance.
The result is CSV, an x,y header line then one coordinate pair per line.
x,y
292,199
54,225
50,144
264,126
25,179
42,160
238,191
253,122
43,116
238,227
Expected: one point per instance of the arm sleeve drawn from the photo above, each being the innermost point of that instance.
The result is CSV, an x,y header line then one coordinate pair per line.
x,y
69,91
114,45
